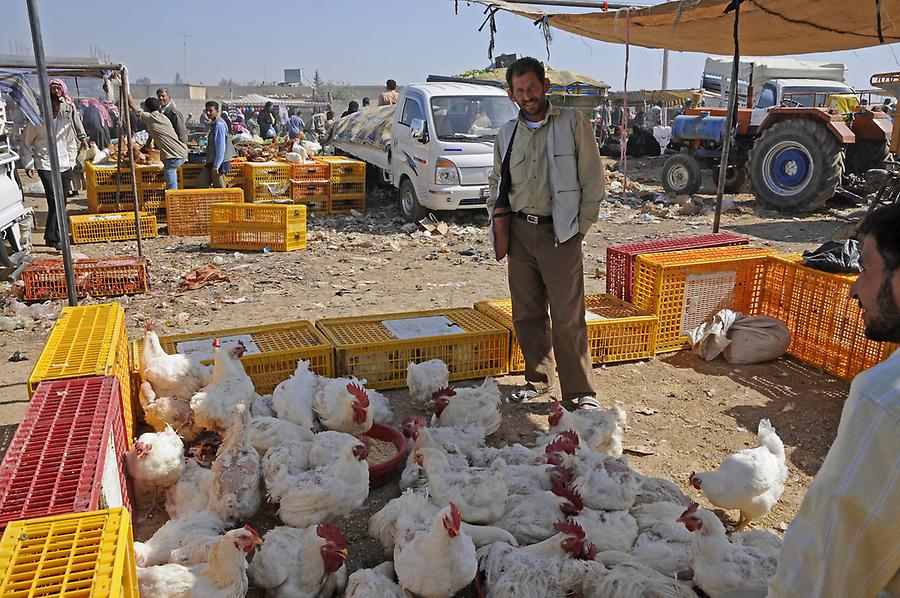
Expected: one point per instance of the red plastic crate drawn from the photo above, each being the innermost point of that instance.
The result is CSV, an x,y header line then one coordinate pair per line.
x,y
46,279
68,455
620,259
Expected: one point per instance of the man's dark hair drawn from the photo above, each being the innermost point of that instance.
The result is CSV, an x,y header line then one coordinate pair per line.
x,y
883,224
151,104
526,64
365,102
212,104
161,90
391,85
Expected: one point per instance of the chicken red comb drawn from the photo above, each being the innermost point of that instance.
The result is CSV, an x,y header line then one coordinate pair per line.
x,y
590,552
556,407
570,494
252,531
359,393
692,508
565,442
455,516
445,392
216,343
149,326
331,534
570,528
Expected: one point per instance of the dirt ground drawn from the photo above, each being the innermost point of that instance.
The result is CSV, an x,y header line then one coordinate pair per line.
x,y
684,414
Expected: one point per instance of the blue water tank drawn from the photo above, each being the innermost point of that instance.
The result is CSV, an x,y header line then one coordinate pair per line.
x,y
703,127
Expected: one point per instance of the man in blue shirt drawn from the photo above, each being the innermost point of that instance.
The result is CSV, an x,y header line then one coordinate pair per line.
x,y
295,123
219,150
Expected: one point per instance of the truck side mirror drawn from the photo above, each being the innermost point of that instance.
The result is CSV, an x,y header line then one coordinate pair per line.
x,y
417,130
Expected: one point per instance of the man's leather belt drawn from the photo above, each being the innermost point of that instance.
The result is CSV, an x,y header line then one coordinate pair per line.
x,y
532,219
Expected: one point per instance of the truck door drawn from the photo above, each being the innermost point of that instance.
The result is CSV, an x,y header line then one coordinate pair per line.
x,y
410,155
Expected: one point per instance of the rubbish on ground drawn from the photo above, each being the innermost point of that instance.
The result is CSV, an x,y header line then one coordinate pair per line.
x,y
203,276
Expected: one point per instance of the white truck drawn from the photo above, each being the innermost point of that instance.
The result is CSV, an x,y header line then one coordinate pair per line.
x,y
13,213
436,146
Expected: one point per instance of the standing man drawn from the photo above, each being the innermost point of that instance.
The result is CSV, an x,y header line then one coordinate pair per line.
x,y
268,121
295,123
219,150
390,95
168,108
36,157
172,150
556,188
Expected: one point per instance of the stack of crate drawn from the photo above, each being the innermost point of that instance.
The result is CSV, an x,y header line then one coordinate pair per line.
x,y
348,184
65,497
257,227
151,187
187,210
311,185
116,226
189,174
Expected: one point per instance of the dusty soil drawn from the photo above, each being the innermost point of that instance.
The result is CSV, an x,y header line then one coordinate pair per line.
x,y
686,413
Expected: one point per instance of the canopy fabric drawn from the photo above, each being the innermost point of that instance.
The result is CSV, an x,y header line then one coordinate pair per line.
x,y
557,78
254,99
768,27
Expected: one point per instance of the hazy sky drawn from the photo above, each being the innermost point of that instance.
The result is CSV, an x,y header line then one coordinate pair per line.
x,y
361,41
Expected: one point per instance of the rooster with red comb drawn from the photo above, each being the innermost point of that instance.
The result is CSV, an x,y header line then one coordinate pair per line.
x,y
301,561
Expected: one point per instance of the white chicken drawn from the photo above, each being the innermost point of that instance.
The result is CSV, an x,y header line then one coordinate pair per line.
x,y
192,491
158,549
435,561
549,568
380,406
662,543
478,406
605,483
480,494
223,575
416,506
616,574
750,481
292,399
608,530
413,476
426,378
155,462
178,376
719,565
160,412
660,490
266,432
342,404
326,446
301,562
281,462
599,430
532,518
237,472
229,385
377,582
310,497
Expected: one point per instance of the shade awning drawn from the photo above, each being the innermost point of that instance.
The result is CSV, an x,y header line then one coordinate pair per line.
x,y
768,27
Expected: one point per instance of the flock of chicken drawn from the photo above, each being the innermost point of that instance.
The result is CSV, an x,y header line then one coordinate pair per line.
x,y
564,517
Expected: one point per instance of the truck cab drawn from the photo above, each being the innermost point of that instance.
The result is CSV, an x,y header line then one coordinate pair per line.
x,y
442,145
795,93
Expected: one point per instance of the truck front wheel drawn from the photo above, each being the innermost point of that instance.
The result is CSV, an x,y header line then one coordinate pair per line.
x,y
796,165
409,203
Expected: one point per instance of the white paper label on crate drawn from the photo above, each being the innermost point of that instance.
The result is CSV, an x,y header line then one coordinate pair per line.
x,y
203,350
592,317
421,327
705,295
111,484
105,217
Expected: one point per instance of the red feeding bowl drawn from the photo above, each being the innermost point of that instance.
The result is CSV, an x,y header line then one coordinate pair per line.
x,y
381,474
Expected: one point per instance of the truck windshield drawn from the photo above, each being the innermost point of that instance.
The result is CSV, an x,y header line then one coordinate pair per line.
x,y
470,118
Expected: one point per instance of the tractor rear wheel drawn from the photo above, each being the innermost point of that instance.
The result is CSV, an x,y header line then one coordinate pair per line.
x,y
866,154
681,175
796,165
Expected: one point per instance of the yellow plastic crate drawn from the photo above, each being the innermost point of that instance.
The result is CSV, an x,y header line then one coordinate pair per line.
x,y
244,226
189,175
826,323
104,201
617,330
270,359
153,198
344,169
683,288
103,177
118,226
187,210
82,554
366,348
150,176
340,204
267,180
89,340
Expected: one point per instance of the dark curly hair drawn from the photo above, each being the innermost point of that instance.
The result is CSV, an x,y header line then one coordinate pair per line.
x,y
884,223
523,65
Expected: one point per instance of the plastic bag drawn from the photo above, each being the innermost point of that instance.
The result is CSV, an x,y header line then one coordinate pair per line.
x,y
740,339
837,257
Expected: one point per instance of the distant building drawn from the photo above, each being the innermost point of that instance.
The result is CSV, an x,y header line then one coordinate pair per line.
x,y
293,75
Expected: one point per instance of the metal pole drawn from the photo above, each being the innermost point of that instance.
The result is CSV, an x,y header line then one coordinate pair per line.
x,y
121,136
130,141
665,70
730,120
59,194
